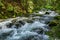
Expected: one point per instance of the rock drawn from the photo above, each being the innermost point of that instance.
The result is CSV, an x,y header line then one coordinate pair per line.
x,y
9,25
17,22
14,20
57,17
47,13
22,22
53,23
17,25
29,21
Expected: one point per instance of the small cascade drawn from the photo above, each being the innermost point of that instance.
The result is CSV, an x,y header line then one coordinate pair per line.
x,y
33,29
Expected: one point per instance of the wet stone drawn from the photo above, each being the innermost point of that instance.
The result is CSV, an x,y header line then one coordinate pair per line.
x,y
17,25
9,25
47,13
29,21
21,22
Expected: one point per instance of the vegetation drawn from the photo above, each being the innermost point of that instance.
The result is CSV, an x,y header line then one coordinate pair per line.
x,y
13,8
55,28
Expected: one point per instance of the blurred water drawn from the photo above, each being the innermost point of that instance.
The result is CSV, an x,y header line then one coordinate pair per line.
x,y
28,31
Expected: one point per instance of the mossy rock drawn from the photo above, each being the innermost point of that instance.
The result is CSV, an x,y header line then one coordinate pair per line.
x,y
55,31
57,17
53,23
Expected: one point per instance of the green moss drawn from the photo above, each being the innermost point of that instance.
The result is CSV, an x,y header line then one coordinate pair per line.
x,y
53,23
57,17
55,28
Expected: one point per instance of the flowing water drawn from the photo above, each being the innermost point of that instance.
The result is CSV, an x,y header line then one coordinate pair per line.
x,y
27,30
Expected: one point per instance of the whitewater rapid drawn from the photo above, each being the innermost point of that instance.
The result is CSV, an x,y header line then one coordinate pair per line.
x,y
27,31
